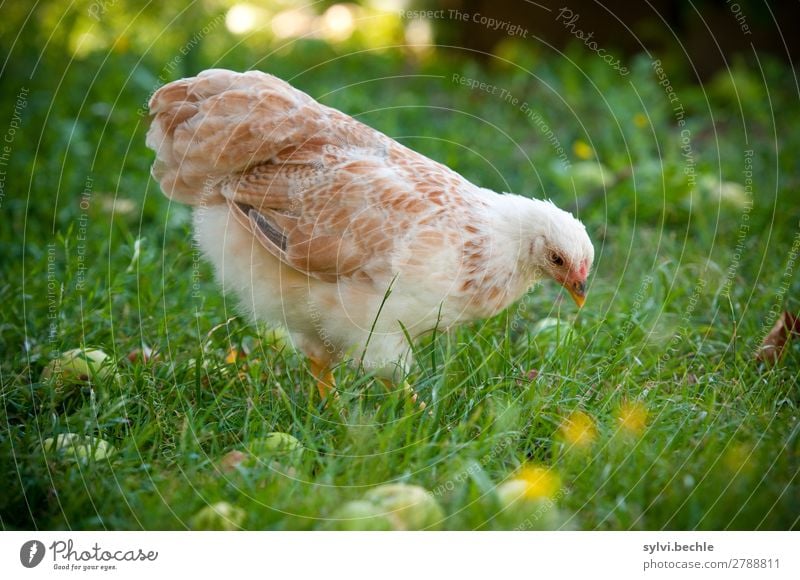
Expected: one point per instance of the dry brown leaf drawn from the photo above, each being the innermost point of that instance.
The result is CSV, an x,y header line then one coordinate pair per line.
x,y
772,347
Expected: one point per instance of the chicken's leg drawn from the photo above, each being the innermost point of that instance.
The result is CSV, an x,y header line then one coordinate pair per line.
x,y
326,384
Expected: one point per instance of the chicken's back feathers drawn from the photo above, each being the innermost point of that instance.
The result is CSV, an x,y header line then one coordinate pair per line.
x,y
326,194
218,123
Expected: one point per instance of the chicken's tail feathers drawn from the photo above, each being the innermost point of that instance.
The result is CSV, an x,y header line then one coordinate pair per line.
x,y
219,123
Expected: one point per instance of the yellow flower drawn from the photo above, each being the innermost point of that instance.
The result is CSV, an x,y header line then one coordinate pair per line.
x,y
640,120
632,417
121,44
540,482
579,430
582,149
738,458
532,484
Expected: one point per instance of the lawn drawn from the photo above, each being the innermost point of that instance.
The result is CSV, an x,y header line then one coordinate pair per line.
x,y
646,409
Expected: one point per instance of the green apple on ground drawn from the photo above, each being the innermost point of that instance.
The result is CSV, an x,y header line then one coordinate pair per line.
x,y
395,506
218,516
362,515
276,445
71,446
77,368
278,451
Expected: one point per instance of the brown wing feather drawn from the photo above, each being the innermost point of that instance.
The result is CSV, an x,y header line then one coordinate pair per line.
x,y
335,223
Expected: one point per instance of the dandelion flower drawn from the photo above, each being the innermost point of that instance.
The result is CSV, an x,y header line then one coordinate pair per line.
x,y
738,458
579,429
582,149
540,482
528,500
633,418
531,483
640,120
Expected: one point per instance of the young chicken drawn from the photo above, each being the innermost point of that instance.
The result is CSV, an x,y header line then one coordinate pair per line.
x,y
339,233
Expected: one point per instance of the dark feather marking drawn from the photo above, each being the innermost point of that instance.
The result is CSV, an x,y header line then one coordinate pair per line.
x,y
269,230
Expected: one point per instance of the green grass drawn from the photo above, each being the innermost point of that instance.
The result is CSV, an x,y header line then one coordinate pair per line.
x,y
666,327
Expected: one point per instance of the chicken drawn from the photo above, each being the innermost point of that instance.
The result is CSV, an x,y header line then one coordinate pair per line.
x,y
339,233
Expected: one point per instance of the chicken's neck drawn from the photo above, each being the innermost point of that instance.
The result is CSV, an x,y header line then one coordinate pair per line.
x,y
507,267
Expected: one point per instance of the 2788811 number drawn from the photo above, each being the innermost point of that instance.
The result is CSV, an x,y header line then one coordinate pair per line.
x,y
755,563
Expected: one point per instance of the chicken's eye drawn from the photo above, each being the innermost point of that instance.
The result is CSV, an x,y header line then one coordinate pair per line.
x,y
556,259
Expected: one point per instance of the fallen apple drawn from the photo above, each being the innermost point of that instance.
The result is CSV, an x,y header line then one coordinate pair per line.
x,y
532,514
391,507
361,515
71,446
218,516
78,367
276,445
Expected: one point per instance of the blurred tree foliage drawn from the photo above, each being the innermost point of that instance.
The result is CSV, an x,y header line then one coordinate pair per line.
x,y
702,35
88,68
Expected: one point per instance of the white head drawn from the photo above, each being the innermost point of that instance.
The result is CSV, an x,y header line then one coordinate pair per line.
x,y
560,249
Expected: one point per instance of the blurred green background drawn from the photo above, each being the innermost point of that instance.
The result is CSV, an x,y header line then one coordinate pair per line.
x,y
86,69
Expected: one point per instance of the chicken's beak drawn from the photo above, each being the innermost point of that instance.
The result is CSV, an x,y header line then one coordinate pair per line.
x,y
578,292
